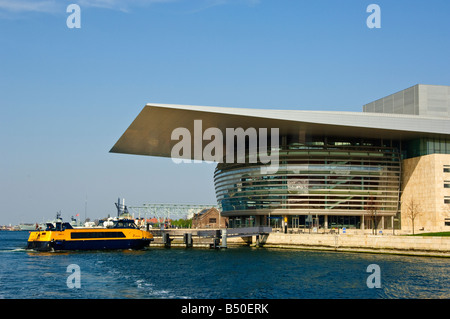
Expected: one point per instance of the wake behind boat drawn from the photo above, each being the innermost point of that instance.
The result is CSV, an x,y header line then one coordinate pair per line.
x,y
122,234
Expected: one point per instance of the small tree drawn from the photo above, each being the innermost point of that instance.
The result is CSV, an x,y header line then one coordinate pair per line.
x,y
371,210
182,223
413,210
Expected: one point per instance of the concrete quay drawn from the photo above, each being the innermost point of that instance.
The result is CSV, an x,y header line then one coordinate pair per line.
x,y
338,241
387,244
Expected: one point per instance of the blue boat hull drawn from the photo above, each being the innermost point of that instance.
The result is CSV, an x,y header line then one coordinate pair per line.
x,y
89,244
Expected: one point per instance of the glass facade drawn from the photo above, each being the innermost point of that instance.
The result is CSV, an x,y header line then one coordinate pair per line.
x,y
342,178
426,146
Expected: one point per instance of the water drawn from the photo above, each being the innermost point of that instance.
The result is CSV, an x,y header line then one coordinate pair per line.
x,y
247,273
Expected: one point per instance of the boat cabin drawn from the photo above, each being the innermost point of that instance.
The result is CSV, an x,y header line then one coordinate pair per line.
x,y
58,226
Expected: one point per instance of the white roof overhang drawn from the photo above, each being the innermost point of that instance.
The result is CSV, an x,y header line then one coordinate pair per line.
x,y
150,133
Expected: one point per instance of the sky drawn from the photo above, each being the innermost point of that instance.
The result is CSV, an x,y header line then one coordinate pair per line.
x,y
68,94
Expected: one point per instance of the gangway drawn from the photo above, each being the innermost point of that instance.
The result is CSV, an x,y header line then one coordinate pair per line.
x,y
257,231
247,231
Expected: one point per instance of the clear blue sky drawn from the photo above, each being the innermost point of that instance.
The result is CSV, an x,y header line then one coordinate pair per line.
x,y
67,95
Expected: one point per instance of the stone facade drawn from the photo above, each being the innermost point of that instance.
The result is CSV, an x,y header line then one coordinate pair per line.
x,y
423,180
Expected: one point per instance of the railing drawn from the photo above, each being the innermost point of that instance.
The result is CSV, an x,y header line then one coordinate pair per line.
x,y
230,232
248,231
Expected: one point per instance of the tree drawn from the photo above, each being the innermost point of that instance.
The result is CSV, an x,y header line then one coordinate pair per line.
x,y
412,210
372,212
182,223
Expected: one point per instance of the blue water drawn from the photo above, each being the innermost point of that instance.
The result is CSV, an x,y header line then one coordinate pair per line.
x,y
247,273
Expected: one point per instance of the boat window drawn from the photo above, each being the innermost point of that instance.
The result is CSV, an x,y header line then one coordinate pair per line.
x,y
114,234
125,224
131,225
67,226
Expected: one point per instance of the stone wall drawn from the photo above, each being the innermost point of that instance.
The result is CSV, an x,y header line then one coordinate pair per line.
x,y
423,181
410,245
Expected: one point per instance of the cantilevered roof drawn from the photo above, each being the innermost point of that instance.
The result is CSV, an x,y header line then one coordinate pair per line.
x,y
150,133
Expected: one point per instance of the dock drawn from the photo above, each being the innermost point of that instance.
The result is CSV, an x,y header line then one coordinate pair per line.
x,y
208,238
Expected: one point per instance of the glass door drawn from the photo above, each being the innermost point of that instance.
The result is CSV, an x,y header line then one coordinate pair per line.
x,y
295,222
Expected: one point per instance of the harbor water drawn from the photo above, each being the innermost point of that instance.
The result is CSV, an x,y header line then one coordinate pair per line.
x,y
245,273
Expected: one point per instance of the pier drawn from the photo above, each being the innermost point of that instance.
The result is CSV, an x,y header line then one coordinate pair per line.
x,y
207,238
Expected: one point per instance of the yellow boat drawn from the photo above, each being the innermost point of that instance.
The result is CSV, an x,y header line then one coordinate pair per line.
x,y
123,234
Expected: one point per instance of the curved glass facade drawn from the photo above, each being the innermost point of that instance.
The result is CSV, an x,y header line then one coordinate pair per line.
x,y
345,180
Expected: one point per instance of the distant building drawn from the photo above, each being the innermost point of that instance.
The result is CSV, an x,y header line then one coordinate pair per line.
x,y
209,218
336,169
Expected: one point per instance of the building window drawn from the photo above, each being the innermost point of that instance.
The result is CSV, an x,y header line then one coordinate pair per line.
x,y
212,220
447,222
446,184
446,168
447,199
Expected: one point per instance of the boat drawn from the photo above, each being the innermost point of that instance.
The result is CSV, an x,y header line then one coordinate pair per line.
x,y
27,226
76,223
62,236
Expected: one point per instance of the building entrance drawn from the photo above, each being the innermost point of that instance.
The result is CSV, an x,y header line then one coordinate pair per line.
x,y
295,222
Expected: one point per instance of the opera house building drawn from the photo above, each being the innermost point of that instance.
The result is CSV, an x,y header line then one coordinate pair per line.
x,y
384,168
